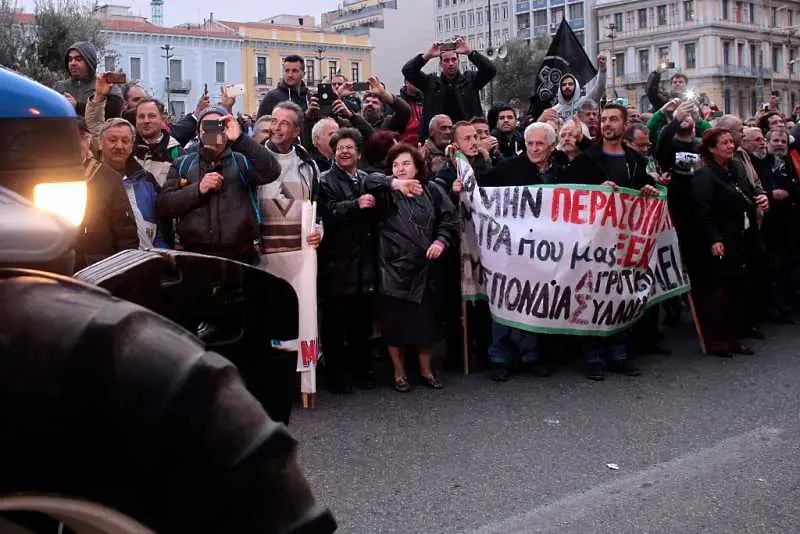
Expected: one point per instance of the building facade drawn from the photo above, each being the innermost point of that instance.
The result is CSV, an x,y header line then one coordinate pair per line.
x,y
733,52
265,45
397,31
534,18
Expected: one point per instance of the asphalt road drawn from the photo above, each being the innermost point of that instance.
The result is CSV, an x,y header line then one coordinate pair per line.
x,y
702,444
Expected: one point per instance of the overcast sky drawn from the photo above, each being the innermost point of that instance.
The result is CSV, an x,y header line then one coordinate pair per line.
x,y
178,11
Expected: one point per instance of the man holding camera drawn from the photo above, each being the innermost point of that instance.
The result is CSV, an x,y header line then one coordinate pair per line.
x,y
452,92
81,64
212,192
659,98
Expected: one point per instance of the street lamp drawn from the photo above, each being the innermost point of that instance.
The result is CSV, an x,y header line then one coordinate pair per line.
x,y
612,29
167,56
320,59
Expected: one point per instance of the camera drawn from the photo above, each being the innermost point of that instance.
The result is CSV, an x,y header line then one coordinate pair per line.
x,y
448,46
685,163
213,126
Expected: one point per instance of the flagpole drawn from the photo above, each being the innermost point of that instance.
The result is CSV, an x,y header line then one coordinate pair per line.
x,y
489,21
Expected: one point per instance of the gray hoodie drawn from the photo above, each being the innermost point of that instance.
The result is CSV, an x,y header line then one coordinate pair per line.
x,y
83,89
595,89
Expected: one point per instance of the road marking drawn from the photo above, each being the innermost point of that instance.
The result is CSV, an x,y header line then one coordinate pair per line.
x,y
565,514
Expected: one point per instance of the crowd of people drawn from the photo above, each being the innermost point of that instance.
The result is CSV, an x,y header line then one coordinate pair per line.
x,y
381,167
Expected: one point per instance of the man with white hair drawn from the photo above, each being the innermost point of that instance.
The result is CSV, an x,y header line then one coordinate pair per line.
x,y
262,129
441,135
321,138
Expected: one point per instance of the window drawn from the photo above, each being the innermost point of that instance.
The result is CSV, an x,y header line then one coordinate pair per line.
x,y
524,21
479,17
355,71
110,63
463,20
311,71
753,57
777,59
176,70
642,18
753,103
447,23
690,53
219,69
793,60
726,53
688,10
496,13
726,101
752,12
740,54
774,17
333,68
261,70
575,11
439,4
135,72
540,18
439,26
644,61
790,14
505,11
739,12
471,18
618,21
661,15
580,37
742,104
619,64
726,9
177,108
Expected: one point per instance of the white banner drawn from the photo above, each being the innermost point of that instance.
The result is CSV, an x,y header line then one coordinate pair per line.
x,y
297,264
565,259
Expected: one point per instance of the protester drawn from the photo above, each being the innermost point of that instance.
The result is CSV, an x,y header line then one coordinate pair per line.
x,y
637,137
510,140
770,121
211,192
132,94
465,140
108,225
291,87
379,98
725,218
415,100
441,135
569,91
376,149
452,93
154,148
657,97
568,137
735,126
349,282
321,138
344,91
589,114
262,130
612,164
116,151
80,61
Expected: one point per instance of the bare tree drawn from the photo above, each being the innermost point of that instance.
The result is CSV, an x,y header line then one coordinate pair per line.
x,y
516,73
37,50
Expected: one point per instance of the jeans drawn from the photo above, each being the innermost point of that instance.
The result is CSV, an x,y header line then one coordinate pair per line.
x,y
505,337
612,348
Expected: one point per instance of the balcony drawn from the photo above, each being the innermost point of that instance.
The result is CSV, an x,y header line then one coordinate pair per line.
x,y
539,4
633,77
524,32
541,30
523,7
179,86
743,71
262,81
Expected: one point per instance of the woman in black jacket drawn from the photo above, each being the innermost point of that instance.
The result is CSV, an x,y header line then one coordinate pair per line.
x,y
413,234
724,210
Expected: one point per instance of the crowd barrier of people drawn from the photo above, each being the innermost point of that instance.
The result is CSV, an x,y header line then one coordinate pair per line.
x,y
381,167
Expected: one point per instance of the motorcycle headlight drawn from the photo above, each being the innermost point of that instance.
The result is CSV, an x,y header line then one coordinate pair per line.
x,y
67,199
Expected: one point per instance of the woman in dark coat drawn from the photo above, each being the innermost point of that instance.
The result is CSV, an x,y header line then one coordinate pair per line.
x,y
724,212
413,234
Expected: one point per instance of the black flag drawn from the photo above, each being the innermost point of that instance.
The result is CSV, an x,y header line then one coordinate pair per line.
x,y
564,56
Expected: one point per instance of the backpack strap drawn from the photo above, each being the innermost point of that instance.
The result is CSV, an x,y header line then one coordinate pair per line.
x,y
242,166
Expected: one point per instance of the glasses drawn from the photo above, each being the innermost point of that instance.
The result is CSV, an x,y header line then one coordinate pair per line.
x,y
349,148
283,124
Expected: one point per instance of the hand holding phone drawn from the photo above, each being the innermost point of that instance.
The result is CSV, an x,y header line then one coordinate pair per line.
x,y
118,78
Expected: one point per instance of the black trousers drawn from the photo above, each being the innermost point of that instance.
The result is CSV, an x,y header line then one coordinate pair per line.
x,y
346,320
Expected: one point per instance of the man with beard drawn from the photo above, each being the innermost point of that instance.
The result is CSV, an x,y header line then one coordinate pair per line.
x,y
372,108
569,91
452,92
612,164
510,141
441,134
780,181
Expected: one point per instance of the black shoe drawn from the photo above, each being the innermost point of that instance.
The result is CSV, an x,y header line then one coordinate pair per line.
x,y
501,373
741,348
594,371
432,382
625,367
753,333
537,369
721,353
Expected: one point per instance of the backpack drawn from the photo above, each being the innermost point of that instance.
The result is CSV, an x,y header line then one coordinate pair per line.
x,y
193,159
